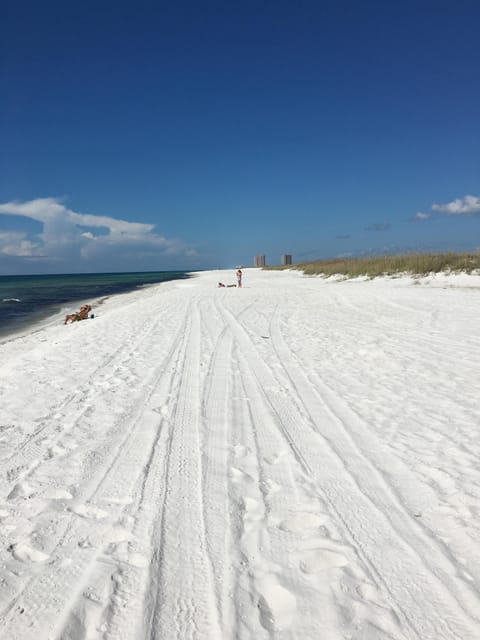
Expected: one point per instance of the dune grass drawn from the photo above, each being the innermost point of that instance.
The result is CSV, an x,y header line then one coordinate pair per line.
x,y
414,264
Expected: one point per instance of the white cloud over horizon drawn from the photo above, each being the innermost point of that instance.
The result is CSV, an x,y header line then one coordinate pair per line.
x,y
421,216
466,206
14,243
89,239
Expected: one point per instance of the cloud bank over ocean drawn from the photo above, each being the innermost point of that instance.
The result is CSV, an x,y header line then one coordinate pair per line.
x,y
86,242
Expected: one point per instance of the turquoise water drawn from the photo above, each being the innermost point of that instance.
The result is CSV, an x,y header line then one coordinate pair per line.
x,y
25,300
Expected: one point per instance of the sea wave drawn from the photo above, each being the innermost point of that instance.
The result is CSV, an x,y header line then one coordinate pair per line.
x,y
11,300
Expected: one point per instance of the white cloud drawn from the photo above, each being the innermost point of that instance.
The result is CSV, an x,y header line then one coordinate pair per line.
x,y
466,206
93,239
15,244
421,216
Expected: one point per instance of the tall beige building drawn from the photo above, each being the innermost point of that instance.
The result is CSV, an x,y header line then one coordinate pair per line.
x,y
259,261
286,258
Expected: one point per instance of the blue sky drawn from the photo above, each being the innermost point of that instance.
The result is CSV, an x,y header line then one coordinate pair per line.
x,y
152,135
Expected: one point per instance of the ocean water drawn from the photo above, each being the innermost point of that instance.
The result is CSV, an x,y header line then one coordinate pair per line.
x,y
25,300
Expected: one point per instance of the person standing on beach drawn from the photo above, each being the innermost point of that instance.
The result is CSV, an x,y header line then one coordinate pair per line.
x,y
239,278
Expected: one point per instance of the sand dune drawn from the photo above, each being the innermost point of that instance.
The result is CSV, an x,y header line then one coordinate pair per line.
x,y
296,459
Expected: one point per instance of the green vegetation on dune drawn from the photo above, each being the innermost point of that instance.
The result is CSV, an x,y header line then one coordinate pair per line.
x,y
414,264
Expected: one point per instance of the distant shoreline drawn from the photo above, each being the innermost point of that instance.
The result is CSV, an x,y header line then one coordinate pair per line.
x,y
415,264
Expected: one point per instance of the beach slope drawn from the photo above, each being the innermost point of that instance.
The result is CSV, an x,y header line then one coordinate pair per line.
x,y
296,459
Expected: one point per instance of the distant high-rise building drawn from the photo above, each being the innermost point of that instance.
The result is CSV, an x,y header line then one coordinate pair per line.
x,y
286,258
259,261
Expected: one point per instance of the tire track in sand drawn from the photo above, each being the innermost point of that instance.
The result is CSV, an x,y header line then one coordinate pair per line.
x,y
215,432
132,586
49,595
414,592
185,604
368,458
373,465
34,449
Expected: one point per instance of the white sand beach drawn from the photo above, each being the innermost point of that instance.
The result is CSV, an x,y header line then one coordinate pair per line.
x,y
296,459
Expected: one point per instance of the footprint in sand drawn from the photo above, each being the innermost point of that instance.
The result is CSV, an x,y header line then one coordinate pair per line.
x,y
57,494
303,521
12,474
25,553
89,511
369,593
252,507
56,451
117,534
270,487
238,476
277,605
70,443
253,513
163,410
20,490
276,457
240,450
108,536
127,554
318,560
